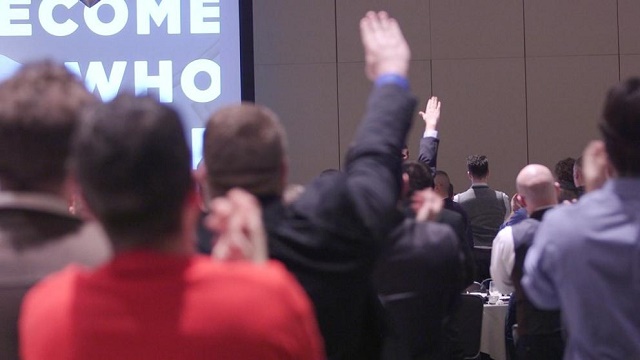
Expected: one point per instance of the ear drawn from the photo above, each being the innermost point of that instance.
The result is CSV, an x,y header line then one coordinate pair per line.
x,y
556,187
469,175
521,200
404,190
199,176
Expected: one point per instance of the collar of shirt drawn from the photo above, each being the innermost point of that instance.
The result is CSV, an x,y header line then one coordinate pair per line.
x,y
34,201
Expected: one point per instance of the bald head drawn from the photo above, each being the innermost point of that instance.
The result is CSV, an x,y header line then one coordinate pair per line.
x,y
537,187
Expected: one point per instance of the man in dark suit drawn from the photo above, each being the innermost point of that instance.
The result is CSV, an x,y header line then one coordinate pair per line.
x,y
420,277
331,236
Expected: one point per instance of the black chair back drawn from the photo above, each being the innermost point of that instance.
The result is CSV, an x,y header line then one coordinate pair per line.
x,y
468,319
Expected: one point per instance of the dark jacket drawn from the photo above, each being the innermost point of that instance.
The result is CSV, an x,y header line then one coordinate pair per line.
x,y
331,236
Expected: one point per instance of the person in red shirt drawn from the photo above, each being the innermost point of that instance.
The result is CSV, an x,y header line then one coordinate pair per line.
x,y
156,299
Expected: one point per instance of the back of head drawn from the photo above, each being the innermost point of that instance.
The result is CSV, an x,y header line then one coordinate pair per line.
x,y
620,127
536,185
245,146
564,170
133,164
39,110
420,177
442,183
478,166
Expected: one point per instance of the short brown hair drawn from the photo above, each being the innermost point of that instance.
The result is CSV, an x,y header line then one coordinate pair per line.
x,y
39,111
245,146
134,166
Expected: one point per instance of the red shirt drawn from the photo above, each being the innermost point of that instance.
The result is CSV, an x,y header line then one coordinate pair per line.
x,y
145,305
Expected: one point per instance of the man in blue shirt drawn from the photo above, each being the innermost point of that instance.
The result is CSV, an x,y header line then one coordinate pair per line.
x,y
585,257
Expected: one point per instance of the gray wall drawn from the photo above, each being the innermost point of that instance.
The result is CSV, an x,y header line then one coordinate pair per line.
x,y
520,81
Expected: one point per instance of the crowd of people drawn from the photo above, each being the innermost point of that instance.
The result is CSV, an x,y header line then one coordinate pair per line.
x,y
366,262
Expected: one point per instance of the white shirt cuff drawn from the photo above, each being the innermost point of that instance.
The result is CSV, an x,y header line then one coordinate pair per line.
x,y
430,133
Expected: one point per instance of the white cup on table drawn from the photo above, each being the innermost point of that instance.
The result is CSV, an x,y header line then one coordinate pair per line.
x,y
494,293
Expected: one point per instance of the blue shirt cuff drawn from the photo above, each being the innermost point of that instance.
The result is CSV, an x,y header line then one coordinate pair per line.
x,y
394,79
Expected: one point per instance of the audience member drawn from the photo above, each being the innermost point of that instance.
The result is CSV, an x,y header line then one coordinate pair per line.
x,y
518,212
563,172
331,236
539,331
578,177
39,110
487,210
429,143
155,299
419,280
442,186
439,181
584,259
426,261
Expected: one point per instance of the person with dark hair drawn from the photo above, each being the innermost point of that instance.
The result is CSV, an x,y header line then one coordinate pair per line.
x,y
487,210
39,111
584,257
427,261
563,173
331,236
156,299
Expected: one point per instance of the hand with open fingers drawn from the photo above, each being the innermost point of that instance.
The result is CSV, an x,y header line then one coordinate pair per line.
x,y
431,113
427,205
237,220
595,165
386,50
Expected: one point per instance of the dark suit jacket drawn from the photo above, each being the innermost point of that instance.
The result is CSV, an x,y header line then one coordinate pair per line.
x,y
418,281
331,236
428,154
463,235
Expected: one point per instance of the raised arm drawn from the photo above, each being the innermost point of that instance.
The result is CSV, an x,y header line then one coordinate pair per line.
x,y
373,163
428,153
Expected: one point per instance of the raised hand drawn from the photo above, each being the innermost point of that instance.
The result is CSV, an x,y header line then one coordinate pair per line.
x,y
237,220
426,204
386,50
595,165
431,113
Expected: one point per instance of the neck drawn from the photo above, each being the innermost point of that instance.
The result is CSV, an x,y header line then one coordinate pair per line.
x,y
179,243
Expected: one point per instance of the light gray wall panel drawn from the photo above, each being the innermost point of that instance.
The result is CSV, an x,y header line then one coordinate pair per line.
x,y
584,27
483,112
294,32
564,102
413,16
476,29
629,25
353,91
304,96
629,66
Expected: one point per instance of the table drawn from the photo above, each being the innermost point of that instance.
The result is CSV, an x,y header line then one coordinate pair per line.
x,y
492,339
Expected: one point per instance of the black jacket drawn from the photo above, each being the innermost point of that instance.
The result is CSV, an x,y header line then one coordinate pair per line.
x,y
331,236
